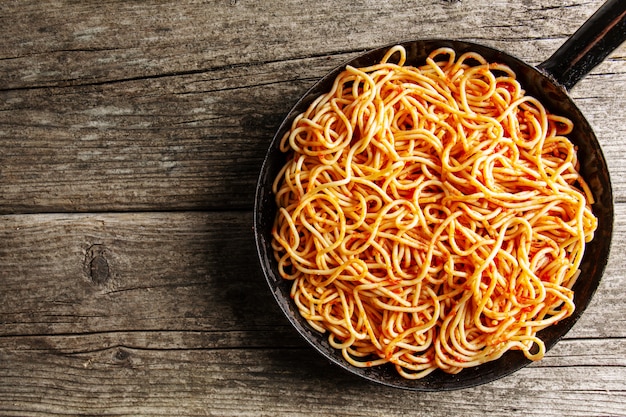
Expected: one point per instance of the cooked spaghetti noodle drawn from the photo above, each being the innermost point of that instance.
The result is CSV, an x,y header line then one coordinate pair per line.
x,y
431,217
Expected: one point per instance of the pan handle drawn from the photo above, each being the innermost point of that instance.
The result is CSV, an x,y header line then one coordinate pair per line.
x,y
602,33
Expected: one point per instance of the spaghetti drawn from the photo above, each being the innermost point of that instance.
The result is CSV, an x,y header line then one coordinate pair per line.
x,y
431,217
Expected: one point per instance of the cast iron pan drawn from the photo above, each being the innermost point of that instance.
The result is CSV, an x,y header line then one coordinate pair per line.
x,y
600,35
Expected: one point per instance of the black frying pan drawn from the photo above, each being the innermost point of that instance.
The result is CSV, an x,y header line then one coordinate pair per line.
x,y
600,35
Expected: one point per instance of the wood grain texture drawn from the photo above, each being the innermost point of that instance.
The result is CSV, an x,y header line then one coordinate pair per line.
x,y
191,328
177,112
131,136
125,381
206,259
94,42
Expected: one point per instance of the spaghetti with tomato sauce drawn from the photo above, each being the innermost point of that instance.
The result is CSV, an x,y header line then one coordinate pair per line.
x,y
431,217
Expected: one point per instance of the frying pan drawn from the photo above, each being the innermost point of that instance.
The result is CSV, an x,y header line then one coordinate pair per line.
x,y
550,82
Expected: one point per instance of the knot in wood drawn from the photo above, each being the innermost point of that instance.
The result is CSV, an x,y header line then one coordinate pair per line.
x,y
99,269
97,265
121,355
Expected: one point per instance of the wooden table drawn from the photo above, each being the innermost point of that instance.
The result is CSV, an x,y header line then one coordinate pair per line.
x,y
131,136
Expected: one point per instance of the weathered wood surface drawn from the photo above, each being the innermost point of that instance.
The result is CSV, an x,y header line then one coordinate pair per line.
x,y
131,134
131,106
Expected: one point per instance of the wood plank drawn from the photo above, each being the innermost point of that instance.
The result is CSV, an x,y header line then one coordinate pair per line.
x,y
91,120
51,43
174,143
168,144
63,274
124,381
90,273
